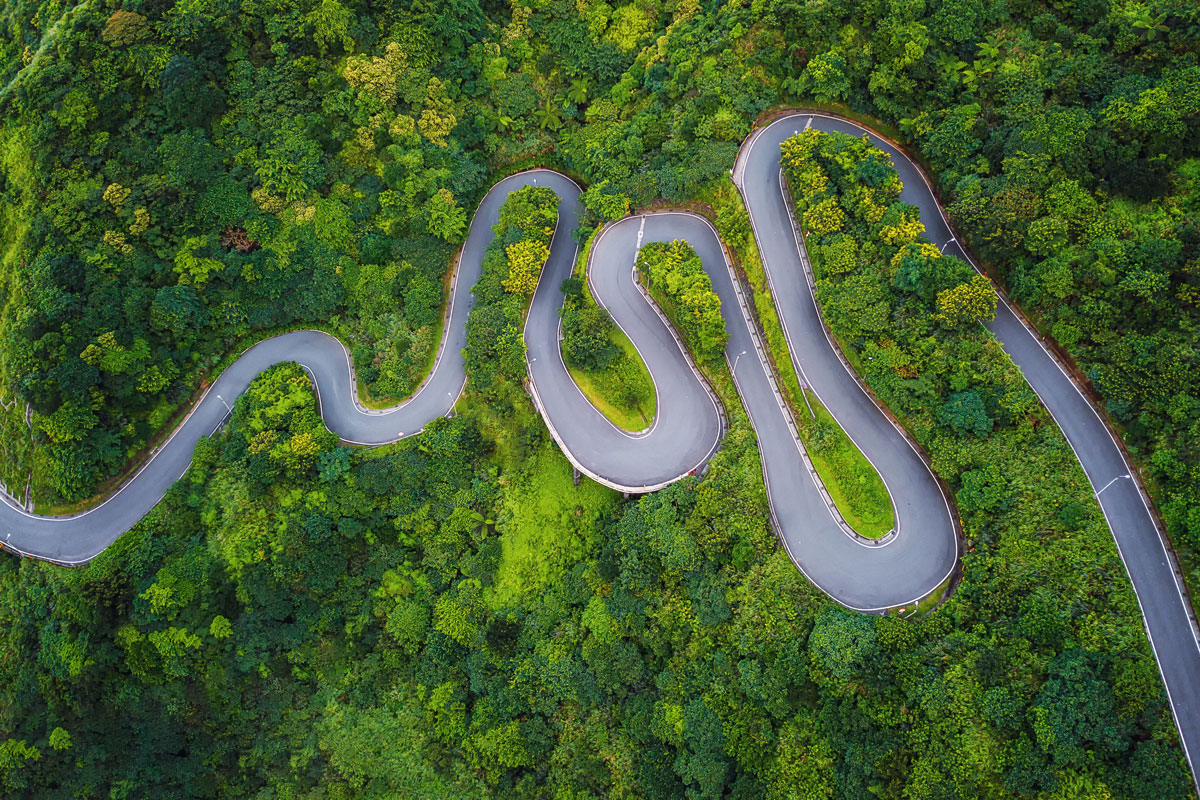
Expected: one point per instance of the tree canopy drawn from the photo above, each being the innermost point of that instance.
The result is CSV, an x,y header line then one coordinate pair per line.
x,y
452,616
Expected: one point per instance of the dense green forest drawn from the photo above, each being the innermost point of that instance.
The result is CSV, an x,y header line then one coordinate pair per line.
x,y
451,616
178,177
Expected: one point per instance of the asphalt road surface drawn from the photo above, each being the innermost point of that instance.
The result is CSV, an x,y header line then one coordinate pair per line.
x,y
687,427
915,559
1151,567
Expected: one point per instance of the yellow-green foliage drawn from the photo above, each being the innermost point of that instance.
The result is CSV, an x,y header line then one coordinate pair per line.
x,y
546,522
525,261
511,265
824,217
969,302
438,119
676,277
878,227
283,438
377,76
191,268
628,26
116,195
904,230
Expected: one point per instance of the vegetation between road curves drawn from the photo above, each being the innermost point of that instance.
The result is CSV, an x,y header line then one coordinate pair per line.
x,y
599,356
511,542
451,616
852,481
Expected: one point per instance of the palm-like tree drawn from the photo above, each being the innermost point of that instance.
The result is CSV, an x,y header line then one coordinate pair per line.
x,y
578,91
951,68
548,117
989,50
908,126
1151,26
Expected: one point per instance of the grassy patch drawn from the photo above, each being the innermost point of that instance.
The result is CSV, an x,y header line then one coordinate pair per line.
x,y
547,523
930,601
623,391
626,399
853,483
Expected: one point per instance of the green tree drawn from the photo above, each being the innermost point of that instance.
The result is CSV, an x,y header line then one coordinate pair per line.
x,y
965,413
967,303
16,756
842,642
525,261
60,739
824,77
606,203
446,219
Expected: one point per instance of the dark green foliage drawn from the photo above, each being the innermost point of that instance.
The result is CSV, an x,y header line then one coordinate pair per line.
x,y
330,625
224,190
965,413
965,402
293,602
587,329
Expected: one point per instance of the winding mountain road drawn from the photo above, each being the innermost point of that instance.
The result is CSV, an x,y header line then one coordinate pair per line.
x,y
1151,566
920,554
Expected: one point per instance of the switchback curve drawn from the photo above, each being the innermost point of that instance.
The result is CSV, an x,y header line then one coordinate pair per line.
x,y
862,574
1151,565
